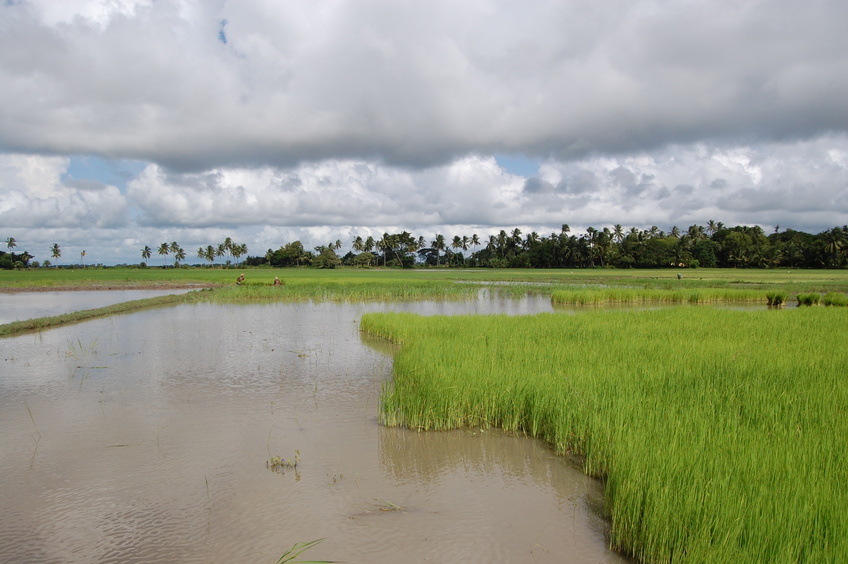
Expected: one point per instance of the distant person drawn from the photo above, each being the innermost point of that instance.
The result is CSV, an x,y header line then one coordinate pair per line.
x,y
240,279
277,281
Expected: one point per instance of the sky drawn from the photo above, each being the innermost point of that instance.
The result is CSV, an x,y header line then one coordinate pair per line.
x,y
126,123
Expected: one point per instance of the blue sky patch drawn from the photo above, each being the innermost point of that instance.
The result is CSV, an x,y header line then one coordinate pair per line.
x,y
517,164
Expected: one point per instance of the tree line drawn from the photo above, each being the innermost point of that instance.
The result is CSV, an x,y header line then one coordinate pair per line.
x,y
712,246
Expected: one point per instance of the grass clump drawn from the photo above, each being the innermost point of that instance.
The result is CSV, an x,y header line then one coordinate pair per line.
x,y
776,298
714,445
808,299
835,299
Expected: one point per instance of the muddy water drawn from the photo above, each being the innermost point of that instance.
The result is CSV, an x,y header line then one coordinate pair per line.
x,y
18,306
144,438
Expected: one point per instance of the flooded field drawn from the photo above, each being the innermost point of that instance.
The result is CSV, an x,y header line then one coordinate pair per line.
x,y
18,306
144,438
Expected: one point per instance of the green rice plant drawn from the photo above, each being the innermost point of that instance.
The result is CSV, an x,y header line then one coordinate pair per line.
x,y
776,298
347,290
808,299
835,299
654,295
718,436
297,549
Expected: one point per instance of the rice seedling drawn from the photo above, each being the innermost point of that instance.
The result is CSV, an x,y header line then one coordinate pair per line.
x,y
719,436
654,295
835,299
297,549
808,299
776,298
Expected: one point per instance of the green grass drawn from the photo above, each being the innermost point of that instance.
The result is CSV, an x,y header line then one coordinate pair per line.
x,y
652,295
793,281
719,434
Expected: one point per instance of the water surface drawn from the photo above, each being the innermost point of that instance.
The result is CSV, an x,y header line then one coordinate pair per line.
x,y
19,306
144,438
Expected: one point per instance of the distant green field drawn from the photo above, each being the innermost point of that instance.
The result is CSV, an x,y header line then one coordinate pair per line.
x,y
792,281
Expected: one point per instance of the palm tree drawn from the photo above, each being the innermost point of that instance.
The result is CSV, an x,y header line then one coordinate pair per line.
x,y
712,227
10,242
146,252
164,249
475,241
358,244
210,253
179,256
439,245
174,247
618,233
56,252
82,258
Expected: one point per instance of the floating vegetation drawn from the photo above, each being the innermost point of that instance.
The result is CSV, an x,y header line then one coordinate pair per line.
x,y
281,465
719,434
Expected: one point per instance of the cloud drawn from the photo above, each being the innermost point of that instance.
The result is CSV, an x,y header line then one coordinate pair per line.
x,y
413,84
34,194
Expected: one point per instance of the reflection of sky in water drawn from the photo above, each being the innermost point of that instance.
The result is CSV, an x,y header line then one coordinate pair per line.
x,y
143,437
18,306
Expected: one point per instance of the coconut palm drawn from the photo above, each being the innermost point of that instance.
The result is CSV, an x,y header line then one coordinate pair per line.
x,y
146,252
56,252
179,256
164,249
82,258
439,245
10,243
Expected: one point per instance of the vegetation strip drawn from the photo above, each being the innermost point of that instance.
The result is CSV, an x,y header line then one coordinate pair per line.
x,y
652,295
719,434
40,323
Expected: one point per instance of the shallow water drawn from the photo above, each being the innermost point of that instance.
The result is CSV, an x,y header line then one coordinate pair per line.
x,y
144,438
19,306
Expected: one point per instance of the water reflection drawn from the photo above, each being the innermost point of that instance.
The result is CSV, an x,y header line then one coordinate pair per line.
x,y
144,438
19,306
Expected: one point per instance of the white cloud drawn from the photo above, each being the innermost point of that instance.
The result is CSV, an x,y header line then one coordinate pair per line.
x,y
34,194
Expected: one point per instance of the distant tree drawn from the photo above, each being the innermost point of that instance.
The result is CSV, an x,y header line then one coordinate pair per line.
x,y
179,256
82,257
146,252
164,249
55,252
10,243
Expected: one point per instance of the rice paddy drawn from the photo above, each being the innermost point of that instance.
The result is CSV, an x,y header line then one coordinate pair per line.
x,y
719,434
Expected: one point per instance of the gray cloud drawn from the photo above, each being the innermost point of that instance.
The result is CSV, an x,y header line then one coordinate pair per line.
x,y
413,84
641,113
